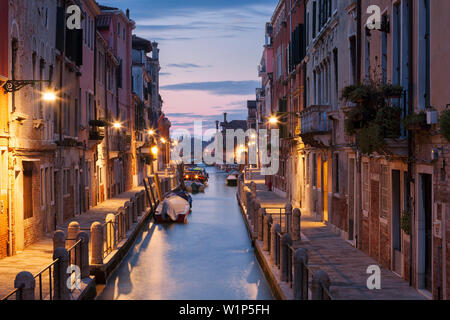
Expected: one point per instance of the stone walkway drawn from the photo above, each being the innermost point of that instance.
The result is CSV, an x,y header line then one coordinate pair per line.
x,y
346,266
38,255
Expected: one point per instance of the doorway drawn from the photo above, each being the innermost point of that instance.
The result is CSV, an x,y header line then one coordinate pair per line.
x,y
351,198
424,236
396,215
325,190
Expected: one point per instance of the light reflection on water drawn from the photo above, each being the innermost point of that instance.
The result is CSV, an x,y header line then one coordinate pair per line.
x,y
210,257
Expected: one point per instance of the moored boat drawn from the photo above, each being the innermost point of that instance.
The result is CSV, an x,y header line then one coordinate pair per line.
x,y
194,187
174,208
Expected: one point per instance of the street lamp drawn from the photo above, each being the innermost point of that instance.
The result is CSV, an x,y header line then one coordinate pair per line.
x,y
117,125
163,140
154,150
49,96
273,120
151,132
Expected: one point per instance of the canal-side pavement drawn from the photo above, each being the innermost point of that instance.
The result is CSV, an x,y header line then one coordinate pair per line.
x,y
345,265
38,255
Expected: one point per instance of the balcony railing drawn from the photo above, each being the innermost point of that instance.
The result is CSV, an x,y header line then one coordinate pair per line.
x,y
314,119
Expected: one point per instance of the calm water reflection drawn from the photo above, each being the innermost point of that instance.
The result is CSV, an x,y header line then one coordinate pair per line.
x,y
210,257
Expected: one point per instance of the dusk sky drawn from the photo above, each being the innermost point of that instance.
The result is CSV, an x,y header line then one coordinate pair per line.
x,y
209,52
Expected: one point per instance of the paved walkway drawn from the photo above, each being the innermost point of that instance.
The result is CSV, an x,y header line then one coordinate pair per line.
x,y
346,266
38,255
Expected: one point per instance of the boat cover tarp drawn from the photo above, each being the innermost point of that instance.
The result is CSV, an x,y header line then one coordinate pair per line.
x,y
173,206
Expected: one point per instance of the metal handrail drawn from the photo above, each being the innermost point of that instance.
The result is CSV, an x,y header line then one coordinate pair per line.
x,y
39,275
279,214
12,293
109,241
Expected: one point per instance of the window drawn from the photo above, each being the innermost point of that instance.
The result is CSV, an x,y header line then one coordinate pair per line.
x,y
66,181
307,169
365,178
367,57
353,60
27,190
424,54
336,173
77,111
314,173
307,29
314,19
396,45
384,192
118,29
43,187
384,54
336,73
51,181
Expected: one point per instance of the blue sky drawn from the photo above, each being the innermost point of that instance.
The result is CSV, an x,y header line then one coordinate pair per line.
x,y
209,52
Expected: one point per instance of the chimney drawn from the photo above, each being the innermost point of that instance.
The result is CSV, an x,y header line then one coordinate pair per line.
x,y
128,13
225,117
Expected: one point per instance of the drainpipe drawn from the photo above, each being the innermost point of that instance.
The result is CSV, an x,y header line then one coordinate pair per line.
x,y
59,218
10,231
358,207
410,139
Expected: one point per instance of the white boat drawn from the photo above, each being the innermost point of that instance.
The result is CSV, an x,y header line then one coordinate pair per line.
x,y
173,209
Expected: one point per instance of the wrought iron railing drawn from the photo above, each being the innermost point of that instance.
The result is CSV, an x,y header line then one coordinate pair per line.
x,y
39,282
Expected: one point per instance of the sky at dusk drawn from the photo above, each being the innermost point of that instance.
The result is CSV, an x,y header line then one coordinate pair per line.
x,y
209,52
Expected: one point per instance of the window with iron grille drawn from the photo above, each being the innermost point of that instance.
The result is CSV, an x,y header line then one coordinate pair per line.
x,y
384,192
365,176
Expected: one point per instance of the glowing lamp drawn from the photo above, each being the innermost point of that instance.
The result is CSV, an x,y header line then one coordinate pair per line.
x,y
273,120
49,96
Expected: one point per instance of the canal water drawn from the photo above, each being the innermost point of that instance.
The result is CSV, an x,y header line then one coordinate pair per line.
x,y
210,257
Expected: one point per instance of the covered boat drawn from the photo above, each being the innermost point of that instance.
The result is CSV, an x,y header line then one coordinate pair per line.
x,y
232,179
174,208
194,187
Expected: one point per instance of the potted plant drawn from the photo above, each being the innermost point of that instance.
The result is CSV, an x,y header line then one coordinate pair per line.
x,y
360,93
347,91
392,91
444,124
415,121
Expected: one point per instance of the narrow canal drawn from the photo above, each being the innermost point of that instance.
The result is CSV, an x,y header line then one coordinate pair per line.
x,y
210,257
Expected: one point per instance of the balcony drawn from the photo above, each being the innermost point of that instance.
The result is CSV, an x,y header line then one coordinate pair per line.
x,y
315,129
96,136
119,143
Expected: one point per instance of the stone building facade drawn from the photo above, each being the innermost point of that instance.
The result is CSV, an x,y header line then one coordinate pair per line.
x,y
392,204
60,158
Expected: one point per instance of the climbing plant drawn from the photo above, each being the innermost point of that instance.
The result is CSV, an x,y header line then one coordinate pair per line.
x,y
374,118
405,222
